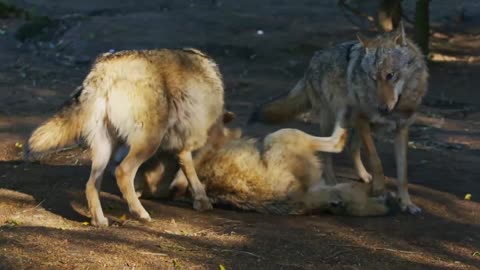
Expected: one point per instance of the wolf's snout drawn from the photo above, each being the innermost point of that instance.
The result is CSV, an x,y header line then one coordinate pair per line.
x,y
383,109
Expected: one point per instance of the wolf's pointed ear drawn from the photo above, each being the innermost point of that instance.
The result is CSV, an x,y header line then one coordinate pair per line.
x,y
228,116
399,35
366,42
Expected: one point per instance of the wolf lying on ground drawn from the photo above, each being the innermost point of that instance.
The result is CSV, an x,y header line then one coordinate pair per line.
x,y
280,174
149,100
383,78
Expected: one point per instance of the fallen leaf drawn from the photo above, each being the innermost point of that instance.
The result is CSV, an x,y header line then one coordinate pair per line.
x,y
86,223
123,217
222,267
18,145
468,197
12,223
476,253
176,264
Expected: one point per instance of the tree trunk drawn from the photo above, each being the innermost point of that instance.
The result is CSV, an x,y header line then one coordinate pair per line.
x,y
422,25
389,14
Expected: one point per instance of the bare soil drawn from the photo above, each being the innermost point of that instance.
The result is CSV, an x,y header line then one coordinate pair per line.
x,y
43,211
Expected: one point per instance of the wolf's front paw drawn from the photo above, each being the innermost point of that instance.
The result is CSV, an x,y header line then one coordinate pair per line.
x,y
342,139
406,204
202,204
410,208
365,176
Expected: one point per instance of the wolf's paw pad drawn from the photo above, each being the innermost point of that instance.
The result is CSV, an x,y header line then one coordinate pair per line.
x,y
202,205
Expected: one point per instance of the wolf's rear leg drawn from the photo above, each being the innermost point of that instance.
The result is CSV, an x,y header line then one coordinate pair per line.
x,y
140,150
354,150
200,199
101,146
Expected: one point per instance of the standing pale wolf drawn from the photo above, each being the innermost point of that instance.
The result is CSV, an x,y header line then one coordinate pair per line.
x,y
149,100
383,78
279,175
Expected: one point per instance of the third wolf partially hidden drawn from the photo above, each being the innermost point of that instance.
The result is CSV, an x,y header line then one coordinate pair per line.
x,y
280,174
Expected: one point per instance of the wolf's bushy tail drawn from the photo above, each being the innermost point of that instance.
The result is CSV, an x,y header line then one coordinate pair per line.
x,y
61,129
285,107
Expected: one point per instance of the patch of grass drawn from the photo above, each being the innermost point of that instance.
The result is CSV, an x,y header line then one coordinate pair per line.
x,y
12,223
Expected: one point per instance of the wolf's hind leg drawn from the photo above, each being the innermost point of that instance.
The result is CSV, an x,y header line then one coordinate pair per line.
x,y
140,151
101,146
200,199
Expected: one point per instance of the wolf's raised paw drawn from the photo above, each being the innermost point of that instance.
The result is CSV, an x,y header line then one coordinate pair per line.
x,y
340,145
202,205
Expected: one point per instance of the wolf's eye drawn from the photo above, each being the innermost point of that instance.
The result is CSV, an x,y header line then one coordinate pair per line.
x,y
389,76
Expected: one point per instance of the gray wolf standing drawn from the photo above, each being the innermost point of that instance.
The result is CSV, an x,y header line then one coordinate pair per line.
x,y
384,78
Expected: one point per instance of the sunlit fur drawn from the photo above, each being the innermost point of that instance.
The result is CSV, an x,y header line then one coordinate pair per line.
x,y
280,174
149,100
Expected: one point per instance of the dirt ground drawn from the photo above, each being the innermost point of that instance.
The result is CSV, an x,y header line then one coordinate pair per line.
x,y
43,210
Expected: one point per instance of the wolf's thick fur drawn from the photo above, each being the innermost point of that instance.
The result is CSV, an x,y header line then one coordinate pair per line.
x,y
279,175
383,78
147,99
